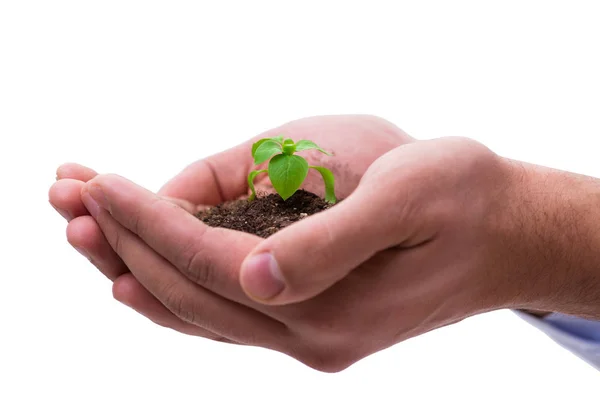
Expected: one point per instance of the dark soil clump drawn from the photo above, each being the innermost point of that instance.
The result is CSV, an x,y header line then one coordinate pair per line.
x,y
265,215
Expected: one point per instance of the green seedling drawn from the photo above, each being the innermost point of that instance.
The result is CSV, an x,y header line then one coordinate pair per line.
x,y
287,170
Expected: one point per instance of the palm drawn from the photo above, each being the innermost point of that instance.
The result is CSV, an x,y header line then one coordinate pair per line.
x,y
356,141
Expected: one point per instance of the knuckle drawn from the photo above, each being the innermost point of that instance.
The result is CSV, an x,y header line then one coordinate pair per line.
x,y
473,153
328,359
325,343
199,267
198,270
337,346
142,217
117,241
135,222
143,221
382,125
177,304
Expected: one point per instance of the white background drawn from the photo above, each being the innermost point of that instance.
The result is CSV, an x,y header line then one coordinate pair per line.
x,y
142,88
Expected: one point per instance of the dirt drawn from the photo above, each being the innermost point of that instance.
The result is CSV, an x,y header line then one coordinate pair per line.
x,y
265,215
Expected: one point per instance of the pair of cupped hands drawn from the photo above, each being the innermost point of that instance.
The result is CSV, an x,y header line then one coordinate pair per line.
x,y
411,248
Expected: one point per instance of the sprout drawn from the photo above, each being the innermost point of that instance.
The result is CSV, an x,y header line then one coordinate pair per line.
x,y
287,170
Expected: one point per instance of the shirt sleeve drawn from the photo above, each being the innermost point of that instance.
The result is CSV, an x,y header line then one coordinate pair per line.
x,y
579,336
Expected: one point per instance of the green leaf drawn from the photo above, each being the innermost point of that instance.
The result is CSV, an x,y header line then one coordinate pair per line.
x,y
251,177
308,144
266,150
287,172
255,146
329,183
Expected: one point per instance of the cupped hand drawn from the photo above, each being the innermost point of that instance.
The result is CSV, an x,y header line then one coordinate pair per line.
x,y
416,246
216,179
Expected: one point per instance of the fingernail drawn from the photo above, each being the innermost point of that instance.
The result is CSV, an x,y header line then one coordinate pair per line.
x,y
64,213
261,277
90,204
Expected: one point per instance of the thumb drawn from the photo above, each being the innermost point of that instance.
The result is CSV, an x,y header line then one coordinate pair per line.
x,y
210,181
304,259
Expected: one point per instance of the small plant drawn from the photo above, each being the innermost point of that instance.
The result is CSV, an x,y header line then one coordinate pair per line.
x,y
287,170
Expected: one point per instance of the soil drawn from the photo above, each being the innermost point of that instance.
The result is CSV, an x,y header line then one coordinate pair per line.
x,y
265,215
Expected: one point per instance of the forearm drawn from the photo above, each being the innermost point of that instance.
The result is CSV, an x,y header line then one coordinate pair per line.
x,y
557,241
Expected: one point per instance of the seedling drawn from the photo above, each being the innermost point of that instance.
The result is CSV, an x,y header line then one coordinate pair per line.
x,y
287,170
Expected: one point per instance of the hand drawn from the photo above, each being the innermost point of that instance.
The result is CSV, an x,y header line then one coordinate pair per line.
x,y
459,231
451,230
413,248
210,181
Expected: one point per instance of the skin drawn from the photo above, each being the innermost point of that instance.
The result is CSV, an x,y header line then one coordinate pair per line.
x,y
429,233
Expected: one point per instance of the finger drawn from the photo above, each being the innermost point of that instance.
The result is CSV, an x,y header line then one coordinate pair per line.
x,y
191,303
306,258
213,180
84,234
75,171
209,257
65,196
130,292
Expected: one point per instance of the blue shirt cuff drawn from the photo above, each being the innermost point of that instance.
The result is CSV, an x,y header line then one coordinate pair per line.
x,y
579,336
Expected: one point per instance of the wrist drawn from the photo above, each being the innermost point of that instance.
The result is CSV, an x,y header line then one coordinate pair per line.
x,y
554,252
